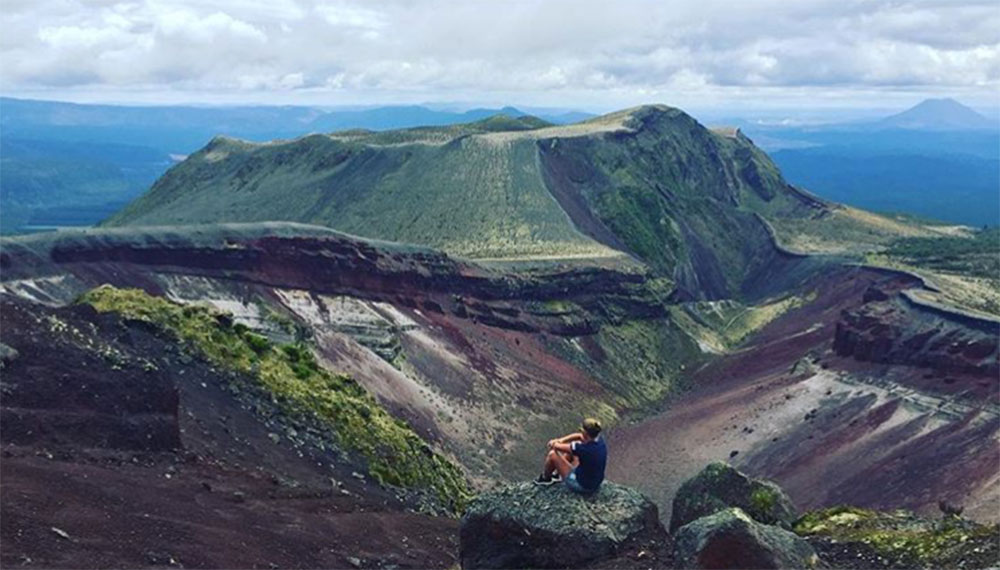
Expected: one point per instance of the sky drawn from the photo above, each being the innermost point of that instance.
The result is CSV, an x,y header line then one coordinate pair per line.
x,y
581,54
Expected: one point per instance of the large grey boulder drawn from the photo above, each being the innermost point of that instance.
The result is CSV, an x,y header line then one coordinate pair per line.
x,y
720,486
731,539
527,526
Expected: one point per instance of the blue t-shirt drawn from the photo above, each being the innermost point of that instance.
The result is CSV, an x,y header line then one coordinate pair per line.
x,y
593,457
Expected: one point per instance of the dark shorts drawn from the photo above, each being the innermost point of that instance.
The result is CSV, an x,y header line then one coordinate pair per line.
x,y
574,485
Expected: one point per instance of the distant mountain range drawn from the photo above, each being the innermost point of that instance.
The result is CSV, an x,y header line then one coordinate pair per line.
x,y
183,129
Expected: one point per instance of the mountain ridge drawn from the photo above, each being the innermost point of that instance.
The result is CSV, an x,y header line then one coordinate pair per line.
x,y
619,184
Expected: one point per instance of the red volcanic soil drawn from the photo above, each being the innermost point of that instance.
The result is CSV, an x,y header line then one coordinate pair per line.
x,y
110,460
830,429
118,514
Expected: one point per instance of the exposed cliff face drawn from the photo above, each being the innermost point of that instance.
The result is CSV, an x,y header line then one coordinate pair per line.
x,y
889,329
333,263
466,355
447,345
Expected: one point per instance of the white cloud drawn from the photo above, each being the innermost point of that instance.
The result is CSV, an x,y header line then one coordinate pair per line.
x,y
342,14
187,26
537,51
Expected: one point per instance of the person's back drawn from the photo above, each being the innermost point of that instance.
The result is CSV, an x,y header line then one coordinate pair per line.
x,y
578,459
593,457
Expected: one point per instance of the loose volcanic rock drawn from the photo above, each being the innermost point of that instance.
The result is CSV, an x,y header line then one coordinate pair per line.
x,y
731,539
720,486
528,526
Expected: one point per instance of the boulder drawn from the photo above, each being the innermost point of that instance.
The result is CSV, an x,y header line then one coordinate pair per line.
x,y
7,355
528,526
720,486
731,539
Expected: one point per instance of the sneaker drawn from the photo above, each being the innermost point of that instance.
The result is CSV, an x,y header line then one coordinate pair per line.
x,y
541,480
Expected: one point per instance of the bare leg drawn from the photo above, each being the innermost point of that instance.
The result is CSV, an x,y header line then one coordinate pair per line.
x,y
556,462
571,459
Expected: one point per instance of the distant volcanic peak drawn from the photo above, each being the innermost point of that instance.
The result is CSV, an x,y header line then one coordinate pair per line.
x,y
943,103
943,113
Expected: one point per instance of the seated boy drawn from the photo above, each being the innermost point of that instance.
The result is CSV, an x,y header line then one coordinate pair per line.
x,y
578,459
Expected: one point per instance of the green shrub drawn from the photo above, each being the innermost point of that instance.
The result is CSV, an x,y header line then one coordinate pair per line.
x,y
257,343
763,500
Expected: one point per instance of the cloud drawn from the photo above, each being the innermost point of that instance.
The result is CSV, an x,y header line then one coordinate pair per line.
x,y
344,15
538,51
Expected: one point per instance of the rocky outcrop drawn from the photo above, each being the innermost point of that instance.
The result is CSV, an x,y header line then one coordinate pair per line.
x,y
527,526
893,330
720,486
732,539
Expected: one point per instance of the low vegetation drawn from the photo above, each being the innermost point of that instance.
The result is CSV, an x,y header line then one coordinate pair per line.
x,y
289,373
845,231
721,326
906,539
963,263
977,256
645,361
473,196
965,269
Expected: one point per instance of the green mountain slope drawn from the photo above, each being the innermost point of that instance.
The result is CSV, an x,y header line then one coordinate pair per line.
x,y
439,187
650,182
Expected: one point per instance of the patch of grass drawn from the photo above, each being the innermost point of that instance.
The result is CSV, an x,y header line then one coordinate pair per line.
x,y
843,231
723,325
978,256
901,536
966,269
396,455
645,360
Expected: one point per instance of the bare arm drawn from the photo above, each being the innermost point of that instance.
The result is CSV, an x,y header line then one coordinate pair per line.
x,y
563,447
563,443
575,436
